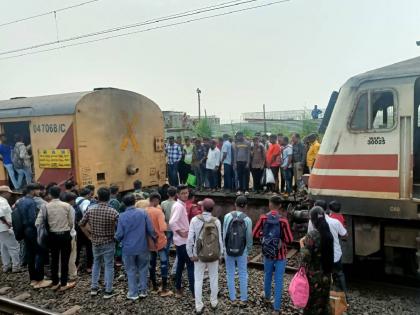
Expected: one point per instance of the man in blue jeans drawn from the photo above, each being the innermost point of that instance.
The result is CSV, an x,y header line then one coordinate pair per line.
x,y
287,165
98,224
277,264
241,261
134,227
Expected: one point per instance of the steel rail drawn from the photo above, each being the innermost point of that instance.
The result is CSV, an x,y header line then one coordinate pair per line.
x,y
10,306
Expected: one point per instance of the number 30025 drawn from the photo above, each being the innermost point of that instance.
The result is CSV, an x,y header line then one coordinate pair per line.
x,y
376,140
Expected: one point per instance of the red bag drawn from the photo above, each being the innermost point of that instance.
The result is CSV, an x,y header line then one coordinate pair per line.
x,y
299,289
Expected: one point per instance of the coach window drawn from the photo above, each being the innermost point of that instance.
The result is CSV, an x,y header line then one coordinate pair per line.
x,y
359,120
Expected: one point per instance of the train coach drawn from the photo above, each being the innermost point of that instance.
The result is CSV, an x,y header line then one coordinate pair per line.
x,y
100,137
370,161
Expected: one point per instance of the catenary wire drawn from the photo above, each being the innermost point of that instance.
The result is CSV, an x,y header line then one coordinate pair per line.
x,y
47,13
148,29
144,23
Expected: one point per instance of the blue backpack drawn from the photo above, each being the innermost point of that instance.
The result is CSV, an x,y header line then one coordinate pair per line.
x,y
271,240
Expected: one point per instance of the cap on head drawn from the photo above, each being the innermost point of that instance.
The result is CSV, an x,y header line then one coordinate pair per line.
x,y
207,204
241,201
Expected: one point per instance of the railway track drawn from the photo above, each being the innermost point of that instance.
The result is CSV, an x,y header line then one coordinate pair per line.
x,y
13,306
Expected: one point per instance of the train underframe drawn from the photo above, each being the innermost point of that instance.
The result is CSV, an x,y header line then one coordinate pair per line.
x,y
388,244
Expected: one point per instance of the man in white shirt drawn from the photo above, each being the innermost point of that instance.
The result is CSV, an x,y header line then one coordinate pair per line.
x,y
8,244
212,164
227,163
338,231
196,235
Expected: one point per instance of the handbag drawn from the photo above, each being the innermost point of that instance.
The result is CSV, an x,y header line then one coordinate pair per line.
x,y
192,180
338,303
299,289
43,229
268,177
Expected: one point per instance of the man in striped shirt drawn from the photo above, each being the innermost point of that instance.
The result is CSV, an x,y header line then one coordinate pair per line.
x,y
275,265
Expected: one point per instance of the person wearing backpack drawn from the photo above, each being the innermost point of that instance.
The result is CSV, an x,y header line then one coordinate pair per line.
x,y
274,232
205,248
26,209
80,207
237,238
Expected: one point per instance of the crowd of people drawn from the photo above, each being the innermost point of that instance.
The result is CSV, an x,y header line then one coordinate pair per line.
x,y
227,163
51,226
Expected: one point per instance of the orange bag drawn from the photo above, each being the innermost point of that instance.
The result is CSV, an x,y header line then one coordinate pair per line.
x,y
338,303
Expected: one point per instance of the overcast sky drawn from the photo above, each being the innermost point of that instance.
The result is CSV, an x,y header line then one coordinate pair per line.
x,y
288,56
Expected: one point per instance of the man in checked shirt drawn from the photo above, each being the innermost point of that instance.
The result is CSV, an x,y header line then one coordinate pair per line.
x,y
277,264
102,220
174,155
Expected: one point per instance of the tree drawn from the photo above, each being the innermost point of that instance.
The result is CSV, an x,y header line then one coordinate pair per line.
x,y
203,128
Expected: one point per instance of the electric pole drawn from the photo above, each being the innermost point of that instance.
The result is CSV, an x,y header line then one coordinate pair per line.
x,y
265,122
199,104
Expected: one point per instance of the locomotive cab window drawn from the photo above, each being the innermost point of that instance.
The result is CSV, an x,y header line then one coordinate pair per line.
x,y
374,110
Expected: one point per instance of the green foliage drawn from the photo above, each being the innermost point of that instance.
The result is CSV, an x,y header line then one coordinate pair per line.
x,y
203,128
308,127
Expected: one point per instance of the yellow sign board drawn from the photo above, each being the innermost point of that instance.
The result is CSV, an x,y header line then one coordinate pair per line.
x,y
57,158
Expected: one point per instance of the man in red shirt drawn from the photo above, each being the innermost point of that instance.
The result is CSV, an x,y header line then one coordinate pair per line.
x,y
275,234
273,161
335,208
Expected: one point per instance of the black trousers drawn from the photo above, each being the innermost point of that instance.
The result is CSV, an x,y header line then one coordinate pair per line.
x,y
257,174
83,241
339,279
60,244
35,256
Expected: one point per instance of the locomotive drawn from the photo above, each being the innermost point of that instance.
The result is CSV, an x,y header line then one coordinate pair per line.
x,y
369,161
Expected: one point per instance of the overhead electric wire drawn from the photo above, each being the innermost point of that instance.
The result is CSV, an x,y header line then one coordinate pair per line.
x,y
148,29
47,13
220,6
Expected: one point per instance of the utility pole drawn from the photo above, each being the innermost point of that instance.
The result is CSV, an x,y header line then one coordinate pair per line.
x,y
265,123
199,104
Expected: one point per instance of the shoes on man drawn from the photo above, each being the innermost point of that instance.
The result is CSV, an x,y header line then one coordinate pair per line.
x,y
166,293
214,305
94,292
132,298
109,295
143,294
179,294
55,287
68,286
43,284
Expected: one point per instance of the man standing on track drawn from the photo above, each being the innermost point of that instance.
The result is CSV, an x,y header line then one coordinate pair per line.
x,y
9,247
275,234
101,220
174,155
180,226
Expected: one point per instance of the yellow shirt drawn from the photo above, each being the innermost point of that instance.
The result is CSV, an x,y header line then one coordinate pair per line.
x,y
312,153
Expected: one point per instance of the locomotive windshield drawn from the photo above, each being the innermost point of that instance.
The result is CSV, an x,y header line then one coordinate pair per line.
x,y
374,110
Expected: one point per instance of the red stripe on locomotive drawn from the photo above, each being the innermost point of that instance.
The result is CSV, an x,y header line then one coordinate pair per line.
x,y
357,162
357,183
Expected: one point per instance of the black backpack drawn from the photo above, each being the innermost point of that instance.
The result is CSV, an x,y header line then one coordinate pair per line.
x,y
78,212
17,223
235,240
271,240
